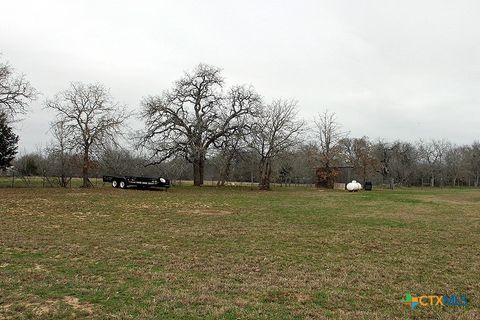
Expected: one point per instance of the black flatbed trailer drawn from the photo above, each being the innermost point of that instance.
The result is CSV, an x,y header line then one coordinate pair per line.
x,y
124,182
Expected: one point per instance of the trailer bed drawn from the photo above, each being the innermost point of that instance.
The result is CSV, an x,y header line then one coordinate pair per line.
x,y
124,182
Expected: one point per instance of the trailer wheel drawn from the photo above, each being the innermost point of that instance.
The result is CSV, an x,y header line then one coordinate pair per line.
x,y
115,183
123,185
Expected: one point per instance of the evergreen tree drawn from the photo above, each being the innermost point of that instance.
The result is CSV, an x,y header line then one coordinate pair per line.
x,y
8,142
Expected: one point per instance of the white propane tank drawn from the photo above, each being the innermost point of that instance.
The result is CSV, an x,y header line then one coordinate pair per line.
x,y
359,186
354,186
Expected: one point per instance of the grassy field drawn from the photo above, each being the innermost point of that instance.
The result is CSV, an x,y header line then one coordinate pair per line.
x,y
233,253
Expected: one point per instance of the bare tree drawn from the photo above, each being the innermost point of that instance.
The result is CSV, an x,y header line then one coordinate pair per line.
x,y
15,91
474,160
229,149
92,118
193,115
306,162
361,157
456,163
118,161
433,153
178,169
232,147
329,134
382,152
403,162
276,130
60,152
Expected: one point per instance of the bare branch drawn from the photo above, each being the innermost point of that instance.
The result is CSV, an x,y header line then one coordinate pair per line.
x,y
15,92
194,115
91,117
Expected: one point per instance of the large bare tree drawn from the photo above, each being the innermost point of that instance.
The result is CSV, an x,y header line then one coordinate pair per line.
x,y
92,118
188,119
15,91
329,135
276,130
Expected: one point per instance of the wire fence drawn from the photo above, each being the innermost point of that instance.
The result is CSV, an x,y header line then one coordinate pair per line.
x,y
15,180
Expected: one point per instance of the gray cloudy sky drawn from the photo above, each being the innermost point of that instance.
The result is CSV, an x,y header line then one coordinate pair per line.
x,y
393,69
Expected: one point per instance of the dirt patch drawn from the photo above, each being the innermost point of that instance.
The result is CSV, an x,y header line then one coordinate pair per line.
x,y
38,309
50,307
303,298
5,307
77,194
38,268
43,309
75,304
207,212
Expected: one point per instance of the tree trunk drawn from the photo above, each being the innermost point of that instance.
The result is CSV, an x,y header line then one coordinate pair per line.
x,y
265,174
86,165
63,176
198,171
432,181
225,171
364,174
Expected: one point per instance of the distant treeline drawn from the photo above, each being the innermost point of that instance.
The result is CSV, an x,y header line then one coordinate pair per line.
x,y
200,130
428,163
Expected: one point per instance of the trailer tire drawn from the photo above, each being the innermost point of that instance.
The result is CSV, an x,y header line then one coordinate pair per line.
x,y
122,184
115,183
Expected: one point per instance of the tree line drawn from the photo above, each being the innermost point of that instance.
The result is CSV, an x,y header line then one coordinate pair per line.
x,y
201,129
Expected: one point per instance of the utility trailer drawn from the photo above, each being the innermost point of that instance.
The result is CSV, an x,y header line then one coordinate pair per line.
x,y
124,182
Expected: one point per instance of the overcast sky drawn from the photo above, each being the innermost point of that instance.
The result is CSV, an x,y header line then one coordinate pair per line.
x,y
392,69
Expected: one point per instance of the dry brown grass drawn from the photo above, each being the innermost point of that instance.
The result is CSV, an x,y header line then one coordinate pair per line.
x,y
234,253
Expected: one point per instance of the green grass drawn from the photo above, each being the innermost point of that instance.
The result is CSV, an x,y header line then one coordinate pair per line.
x,y
234,253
